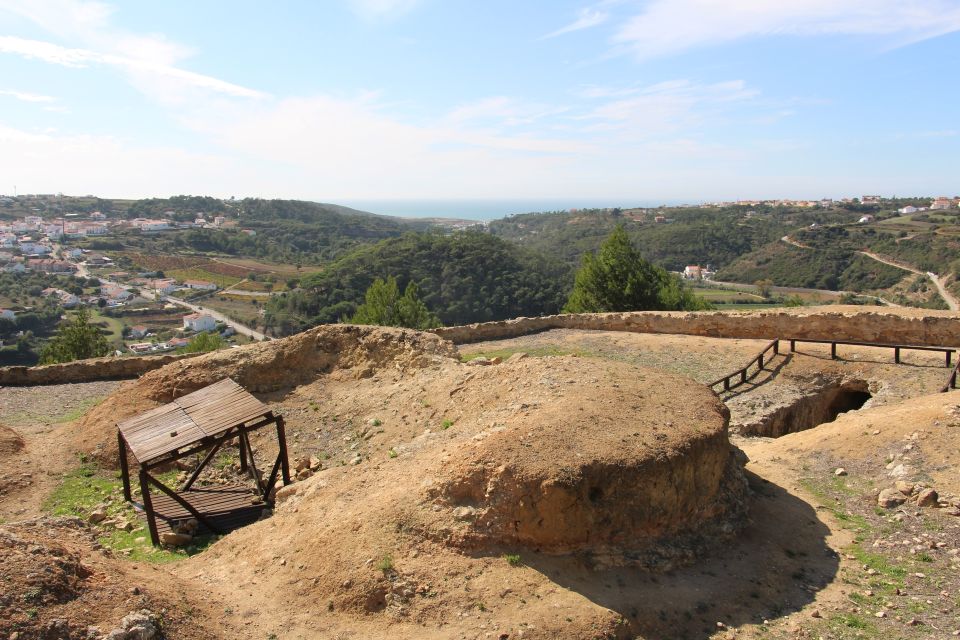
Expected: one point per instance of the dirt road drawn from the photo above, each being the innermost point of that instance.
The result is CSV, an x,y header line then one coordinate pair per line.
x,y
948,297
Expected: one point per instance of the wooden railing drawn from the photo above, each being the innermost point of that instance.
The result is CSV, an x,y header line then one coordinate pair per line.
x,y
897,348
730,381
952,380
741,376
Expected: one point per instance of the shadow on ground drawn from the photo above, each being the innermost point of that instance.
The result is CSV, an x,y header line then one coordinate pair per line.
x,y
774,567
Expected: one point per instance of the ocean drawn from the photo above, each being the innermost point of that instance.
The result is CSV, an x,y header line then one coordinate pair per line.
x,y
489,209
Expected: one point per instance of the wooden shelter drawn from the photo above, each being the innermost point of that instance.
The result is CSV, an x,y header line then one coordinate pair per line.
x,y
201,421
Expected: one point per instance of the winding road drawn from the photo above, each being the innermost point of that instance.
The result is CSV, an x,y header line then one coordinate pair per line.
x,y
948,297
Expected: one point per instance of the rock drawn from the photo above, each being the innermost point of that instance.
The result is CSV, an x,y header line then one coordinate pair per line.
x,y
285,493
464,513
890,498
172,539
519,355
927,498
123,525
904,487
880,614
139,625
815,613
304,473
840,472
97,515
479,362
315,463
356,460
496,360
301,464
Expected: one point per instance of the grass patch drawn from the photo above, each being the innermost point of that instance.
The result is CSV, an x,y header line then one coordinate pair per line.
x,y
513,559
386,563
84,406
86,487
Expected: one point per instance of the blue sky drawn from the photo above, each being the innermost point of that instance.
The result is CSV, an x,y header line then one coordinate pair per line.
x,y
614,100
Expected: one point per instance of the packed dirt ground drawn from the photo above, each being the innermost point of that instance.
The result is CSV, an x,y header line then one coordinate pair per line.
x,y
404,520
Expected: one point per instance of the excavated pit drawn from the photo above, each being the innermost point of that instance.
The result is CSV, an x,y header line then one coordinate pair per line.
x,y
820,407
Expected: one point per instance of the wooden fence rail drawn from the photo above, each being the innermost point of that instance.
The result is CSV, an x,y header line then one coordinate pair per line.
x,y
897,348
729,382
952,380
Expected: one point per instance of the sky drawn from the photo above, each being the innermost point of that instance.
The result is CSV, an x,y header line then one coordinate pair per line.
x,y
612,101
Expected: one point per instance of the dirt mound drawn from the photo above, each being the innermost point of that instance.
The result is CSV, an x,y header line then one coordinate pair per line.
x,y
57,584
641,457
10,441
536,458
346,351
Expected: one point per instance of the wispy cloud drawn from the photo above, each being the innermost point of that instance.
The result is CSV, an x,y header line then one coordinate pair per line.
x,y
667,27
152,61
26,97
79,58
587,19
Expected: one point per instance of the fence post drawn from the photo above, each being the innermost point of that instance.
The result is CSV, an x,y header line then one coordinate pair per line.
x,y
776,346
833,350
896,355
726,384
793,346
949,356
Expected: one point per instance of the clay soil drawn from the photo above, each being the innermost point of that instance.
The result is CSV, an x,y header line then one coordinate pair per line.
x,y
397,534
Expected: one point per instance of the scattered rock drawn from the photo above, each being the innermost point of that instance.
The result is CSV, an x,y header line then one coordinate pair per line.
x,y
97,515
927,498
172,539
304,473
520,355
480,362
904,487
840,472
139,625
890,498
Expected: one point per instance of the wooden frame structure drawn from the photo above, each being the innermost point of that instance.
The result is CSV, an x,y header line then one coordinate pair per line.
x,y
201,421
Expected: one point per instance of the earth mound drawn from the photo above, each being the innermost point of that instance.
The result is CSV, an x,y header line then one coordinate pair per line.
x,y
541,458
610,472
347,351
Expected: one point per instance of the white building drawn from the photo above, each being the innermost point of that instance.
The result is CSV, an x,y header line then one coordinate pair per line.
x,y
200,284
907,209
865,219
199,322
34,247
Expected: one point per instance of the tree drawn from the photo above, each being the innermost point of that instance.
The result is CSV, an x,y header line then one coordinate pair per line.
x,y
203,342
77,339
763,287
617,278
386,307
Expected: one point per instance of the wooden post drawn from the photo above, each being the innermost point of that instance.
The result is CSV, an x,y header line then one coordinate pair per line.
x,y
204,463
148,506
124,466
243,454
253,465
896,355
282,441
833,350
743,376
760,361
793,346
949,356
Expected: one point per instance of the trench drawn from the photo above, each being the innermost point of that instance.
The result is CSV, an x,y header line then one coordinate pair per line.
x,y
818,408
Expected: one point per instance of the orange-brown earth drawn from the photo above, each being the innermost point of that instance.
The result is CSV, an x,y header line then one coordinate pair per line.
x,y
590,493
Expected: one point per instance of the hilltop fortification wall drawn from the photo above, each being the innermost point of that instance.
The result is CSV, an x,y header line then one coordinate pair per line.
x,y
86,370
901,326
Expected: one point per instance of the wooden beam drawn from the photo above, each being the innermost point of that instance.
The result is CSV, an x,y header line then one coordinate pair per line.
x,y
205,443
253,465
196,472
124,466
148,505
282,441
183,503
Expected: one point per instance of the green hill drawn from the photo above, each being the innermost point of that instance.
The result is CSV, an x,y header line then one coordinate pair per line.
x,y
463,277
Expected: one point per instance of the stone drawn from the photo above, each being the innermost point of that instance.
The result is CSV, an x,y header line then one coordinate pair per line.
x,y
304,473
315,463
479,362
815,613
890,498
496,360
97,515
285,493
123,525
518,356
927,498
904,487
172,539
301,464
840,472
356,460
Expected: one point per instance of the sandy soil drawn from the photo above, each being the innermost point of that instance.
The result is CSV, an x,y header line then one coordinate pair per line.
x,y
373,546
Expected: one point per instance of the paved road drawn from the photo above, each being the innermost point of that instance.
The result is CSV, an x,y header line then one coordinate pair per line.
x,y
937,282
239,328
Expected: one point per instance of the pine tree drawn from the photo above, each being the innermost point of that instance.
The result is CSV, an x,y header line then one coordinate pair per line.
x,y
76,340
386,307
617,278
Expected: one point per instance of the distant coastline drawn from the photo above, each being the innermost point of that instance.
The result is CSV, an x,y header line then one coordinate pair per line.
x,y
488,209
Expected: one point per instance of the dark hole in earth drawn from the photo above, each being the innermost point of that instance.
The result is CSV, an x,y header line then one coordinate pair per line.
x,y
818,408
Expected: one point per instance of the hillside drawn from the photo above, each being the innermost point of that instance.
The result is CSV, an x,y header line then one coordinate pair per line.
x,y
464,277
